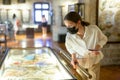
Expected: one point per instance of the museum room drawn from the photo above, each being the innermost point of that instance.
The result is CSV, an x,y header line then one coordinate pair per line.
x,y
59,39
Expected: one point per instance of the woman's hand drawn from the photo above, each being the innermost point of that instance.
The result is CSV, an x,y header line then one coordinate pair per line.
x,y
74,61
96,52
97,47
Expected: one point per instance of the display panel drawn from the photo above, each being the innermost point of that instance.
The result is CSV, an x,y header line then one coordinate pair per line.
x,y
32,64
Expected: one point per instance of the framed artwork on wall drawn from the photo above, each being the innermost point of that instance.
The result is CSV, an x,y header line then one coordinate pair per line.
x,y
21,1
79,8
0,16
71,8
26,16
4,15
6,2
62,15
109,19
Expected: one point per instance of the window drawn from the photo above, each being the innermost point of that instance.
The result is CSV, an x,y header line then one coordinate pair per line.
x,y
40,9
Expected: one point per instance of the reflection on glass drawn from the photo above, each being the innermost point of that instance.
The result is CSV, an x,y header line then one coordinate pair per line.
x,y
38,43
48,43
23,44
43,42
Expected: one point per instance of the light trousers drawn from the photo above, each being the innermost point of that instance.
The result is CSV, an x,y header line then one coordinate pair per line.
x,y
94,71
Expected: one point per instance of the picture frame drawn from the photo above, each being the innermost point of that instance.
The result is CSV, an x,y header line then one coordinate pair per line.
x,y
62,14
71,7
80,8
21,1
0,15
6,2
4,15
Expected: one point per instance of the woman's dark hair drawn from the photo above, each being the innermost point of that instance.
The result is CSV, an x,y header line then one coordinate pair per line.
x,y
75,17
14,16
43,16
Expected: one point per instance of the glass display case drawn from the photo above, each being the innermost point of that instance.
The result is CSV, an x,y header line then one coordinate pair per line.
x,y
35,64
3,35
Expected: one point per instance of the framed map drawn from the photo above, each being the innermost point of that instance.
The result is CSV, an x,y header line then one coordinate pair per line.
x,y
109,19
3,15
26,16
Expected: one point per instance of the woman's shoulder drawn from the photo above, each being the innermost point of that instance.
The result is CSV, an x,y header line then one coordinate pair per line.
x,y
68,35
93,27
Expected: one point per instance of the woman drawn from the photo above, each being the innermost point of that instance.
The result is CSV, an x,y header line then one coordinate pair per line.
x,y
44,26
15,22
84,42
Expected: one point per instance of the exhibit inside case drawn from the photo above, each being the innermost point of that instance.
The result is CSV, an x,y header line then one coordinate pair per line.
x,y
34,64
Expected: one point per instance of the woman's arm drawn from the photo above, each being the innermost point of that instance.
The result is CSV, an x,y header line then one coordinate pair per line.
x,y
70,49
74,60
102,39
